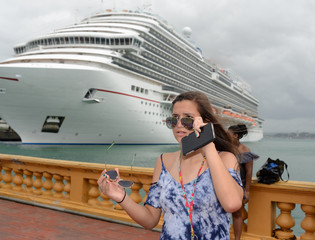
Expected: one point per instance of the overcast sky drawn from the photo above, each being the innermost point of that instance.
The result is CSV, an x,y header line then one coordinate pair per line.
x,y
269,43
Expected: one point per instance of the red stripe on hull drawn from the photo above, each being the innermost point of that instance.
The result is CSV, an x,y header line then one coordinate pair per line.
x,y
11,79
128,95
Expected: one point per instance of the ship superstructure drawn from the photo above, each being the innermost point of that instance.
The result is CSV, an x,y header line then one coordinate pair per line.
x,y
112,77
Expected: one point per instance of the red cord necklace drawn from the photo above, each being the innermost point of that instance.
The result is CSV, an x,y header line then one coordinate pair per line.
x,y
189,207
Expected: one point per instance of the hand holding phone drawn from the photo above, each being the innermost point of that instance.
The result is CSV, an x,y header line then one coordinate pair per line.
x,y
191,143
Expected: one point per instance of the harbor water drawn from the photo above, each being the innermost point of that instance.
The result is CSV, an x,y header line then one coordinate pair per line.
x,y
297,153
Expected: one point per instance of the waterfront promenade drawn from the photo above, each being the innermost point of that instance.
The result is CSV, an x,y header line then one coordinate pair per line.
x,y
71,187
26,222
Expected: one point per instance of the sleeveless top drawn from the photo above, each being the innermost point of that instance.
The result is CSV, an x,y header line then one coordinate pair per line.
x,y
210,220
244,158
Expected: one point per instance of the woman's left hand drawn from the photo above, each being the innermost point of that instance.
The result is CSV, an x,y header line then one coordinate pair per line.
x,y
110,188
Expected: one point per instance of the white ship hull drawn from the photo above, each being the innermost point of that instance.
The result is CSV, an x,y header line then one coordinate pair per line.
x,y
120,115
97,86
254,135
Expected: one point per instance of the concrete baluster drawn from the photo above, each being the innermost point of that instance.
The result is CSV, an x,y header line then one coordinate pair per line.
x,y
0,176
58,186
48,184
28,181
7,178
106,203
134,195
308,223
146,188
67,187
18,180
93,193
244,217
285,221
38,183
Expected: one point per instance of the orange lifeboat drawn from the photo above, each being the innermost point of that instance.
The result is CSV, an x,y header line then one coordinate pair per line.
x,y
226,112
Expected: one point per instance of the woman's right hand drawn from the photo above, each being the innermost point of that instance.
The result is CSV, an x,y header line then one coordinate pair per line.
x,y
111,188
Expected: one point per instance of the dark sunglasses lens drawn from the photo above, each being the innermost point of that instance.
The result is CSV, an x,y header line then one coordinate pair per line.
x,y
171,122
188,123
112,175
125,183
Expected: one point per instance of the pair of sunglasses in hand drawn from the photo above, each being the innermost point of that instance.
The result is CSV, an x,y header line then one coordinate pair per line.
x,y
113,175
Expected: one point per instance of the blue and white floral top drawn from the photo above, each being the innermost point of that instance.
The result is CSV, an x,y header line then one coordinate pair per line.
x,y
210,220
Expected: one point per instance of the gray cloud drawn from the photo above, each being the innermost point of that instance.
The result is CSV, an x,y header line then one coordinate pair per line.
x,y
270,44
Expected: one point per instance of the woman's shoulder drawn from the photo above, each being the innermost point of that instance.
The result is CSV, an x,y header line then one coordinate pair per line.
x,y
229,159
169,158
166,159
243,148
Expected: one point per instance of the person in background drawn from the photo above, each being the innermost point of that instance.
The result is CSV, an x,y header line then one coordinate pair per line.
x,y
246,158
196,193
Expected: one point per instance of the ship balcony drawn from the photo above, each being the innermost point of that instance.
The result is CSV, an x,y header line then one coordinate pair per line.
x,y
73,186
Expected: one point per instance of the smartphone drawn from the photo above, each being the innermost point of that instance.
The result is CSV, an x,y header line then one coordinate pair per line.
x,y
191,143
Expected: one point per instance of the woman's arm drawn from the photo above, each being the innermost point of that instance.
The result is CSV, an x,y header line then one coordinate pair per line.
x,y
248,177
147,216
228,191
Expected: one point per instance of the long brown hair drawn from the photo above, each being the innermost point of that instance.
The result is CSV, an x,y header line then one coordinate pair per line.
x,y
223,141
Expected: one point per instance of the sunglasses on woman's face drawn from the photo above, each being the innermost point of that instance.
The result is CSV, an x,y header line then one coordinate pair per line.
x,y
113,175
187,122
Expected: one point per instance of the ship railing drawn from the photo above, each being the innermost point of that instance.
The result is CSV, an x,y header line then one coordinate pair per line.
x,y
120,48
72,187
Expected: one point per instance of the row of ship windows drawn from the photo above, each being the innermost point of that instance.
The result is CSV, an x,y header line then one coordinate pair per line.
x,y
139,89
156,105
157,114
78,40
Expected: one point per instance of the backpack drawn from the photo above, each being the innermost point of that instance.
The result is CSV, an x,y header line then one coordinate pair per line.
x,y
271,171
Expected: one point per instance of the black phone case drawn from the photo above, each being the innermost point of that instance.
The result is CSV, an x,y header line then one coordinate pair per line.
x,y
191,143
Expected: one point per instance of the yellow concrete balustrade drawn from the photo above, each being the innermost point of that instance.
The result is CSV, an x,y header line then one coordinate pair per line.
x,y
72,186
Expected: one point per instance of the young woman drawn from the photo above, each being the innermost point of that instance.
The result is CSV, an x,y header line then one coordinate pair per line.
x,y
246,158
196,192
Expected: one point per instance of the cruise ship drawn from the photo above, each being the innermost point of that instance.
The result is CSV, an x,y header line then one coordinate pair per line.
x,y
112,77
